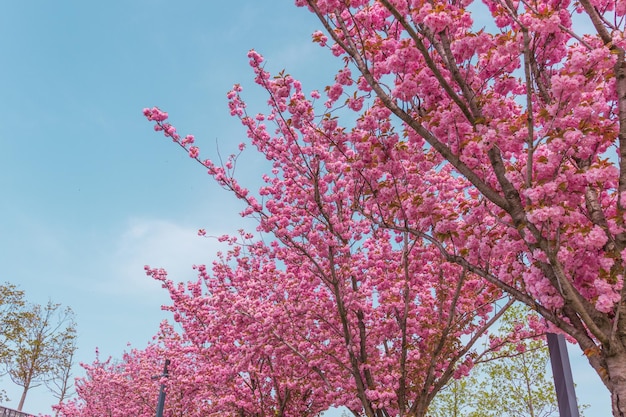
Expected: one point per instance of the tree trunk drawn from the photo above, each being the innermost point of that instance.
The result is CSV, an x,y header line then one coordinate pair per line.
x,y
617,379
22,398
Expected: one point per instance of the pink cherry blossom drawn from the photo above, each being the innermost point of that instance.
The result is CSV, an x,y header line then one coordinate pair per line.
x,y
465,155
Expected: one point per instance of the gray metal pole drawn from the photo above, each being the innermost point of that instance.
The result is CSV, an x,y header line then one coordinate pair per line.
x,y
161,403
562,372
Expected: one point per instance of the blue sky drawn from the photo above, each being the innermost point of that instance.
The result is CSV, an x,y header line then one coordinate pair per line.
x,y
90,194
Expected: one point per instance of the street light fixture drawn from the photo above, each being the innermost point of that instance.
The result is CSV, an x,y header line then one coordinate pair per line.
x,y
562,373
161,403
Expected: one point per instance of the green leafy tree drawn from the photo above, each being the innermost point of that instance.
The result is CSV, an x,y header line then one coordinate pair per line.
x,y
456,399
11,319
11,316
512,382
60,381
40,350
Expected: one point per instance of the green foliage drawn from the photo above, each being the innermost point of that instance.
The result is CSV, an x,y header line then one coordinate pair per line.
x,y
37,343
512,382
456,399
11,316
59,383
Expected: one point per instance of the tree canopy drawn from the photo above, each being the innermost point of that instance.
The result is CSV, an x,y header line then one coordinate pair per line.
x,y
37,343
451,166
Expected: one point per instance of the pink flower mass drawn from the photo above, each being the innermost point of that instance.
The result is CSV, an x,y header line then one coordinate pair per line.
x,y
478,169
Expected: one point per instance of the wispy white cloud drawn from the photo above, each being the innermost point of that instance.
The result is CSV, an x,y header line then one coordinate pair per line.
x,y
160,244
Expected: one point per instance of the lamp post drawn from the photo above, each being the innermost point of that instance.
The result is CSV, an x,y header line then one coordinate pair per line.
x,y
562,373
161,403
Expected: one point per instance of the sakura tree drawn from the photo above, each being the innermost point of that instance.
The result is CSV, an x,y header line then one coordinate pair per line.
x,y
370,314
339,330
491,150
238,366
202,381
130,385
529,108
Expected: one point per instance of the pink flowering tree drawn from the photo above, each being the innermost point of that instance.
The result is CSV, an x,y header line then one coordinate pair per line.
x,y
348,330
498,149
238,368
529,109
500,146
130,386
113,389
211,378
349,292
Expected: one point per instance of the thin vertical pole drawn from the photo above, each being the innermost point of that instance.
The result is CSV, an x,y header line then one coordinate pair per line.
x,y
161,403
562,372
